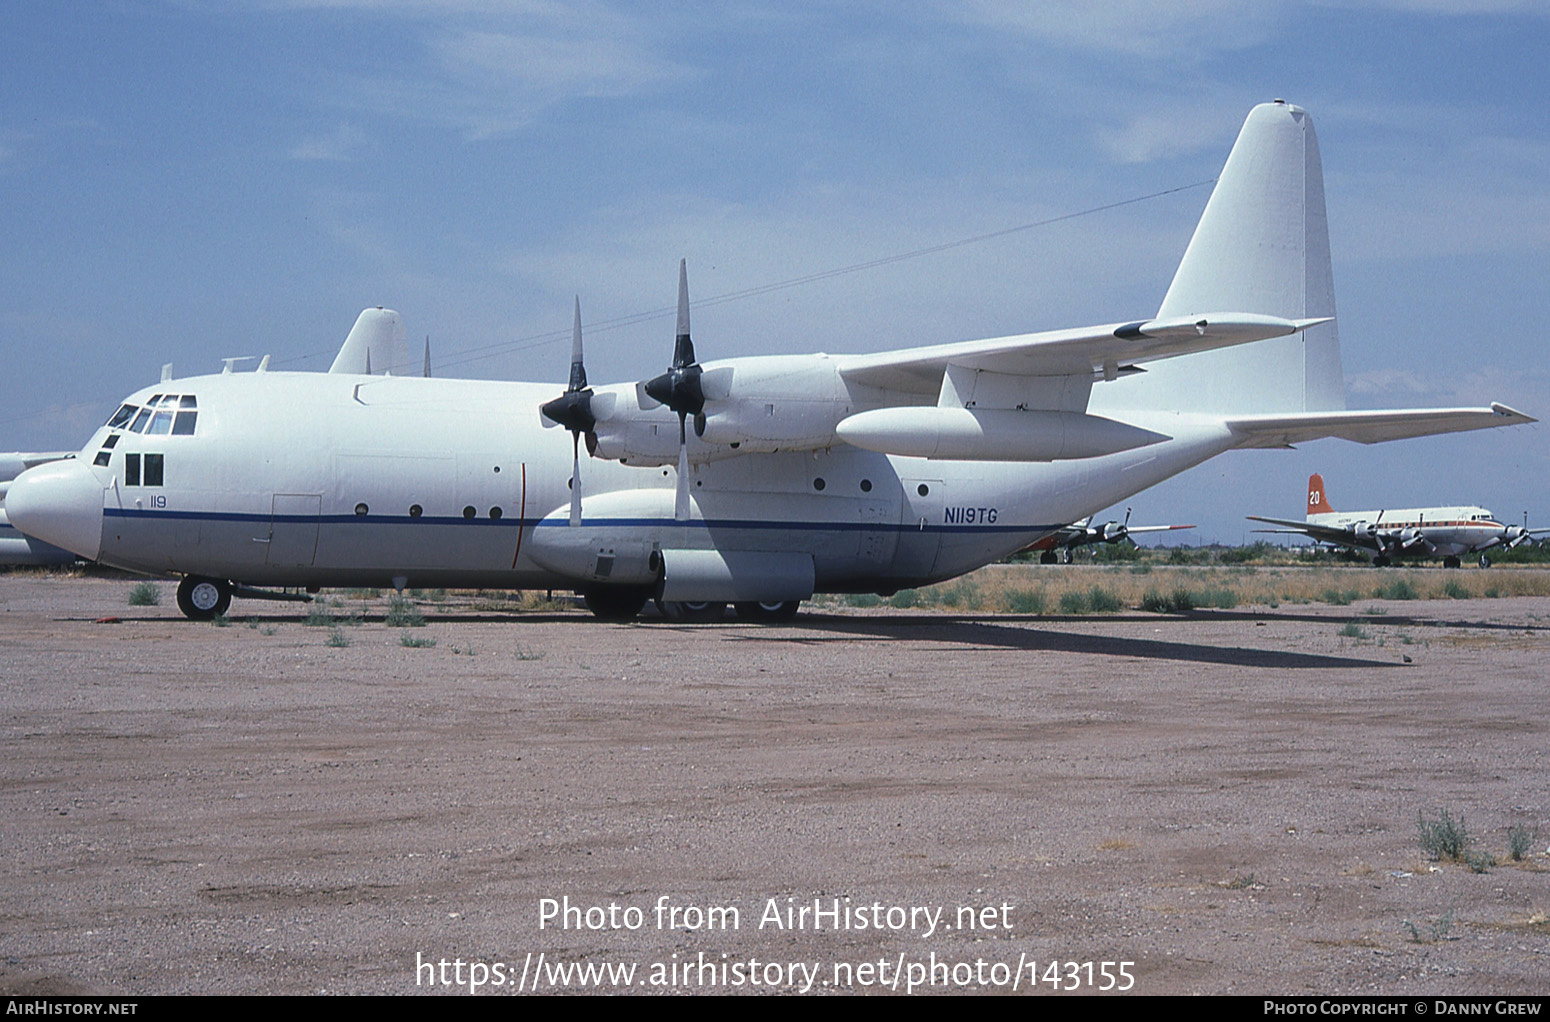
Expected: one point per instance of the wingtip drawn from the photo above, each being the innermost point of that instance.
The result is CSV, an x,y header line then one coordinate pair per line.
x,y
1497,408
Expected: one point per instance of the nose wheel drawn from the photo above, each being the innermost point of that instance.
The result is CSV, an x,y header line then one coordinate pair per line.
x,y
201,599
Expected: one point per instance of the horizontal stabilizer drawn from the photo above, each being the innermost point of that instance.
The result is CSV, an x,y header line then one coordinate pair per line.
x,y
1369,427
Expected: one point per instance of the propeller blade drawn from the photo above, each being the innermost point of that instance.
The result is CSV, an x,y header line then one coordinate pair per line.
x,y
575,479
681,499
679,388
573,410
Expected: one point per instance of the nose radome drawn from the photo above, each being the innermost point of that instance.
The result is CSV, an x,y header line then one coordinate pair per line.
x,y
59,503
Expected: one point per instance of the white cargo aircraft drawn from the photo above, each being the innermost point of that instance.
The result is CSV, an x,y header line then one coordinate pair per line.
x,y
1412,532
756,481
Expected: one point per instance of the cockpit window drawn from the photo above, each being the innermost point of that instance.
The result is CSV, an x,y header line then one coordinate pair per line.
x,y
162,414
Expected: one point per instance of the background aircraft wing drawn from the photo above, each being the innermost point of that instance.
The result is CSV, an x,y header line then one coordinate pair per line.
x,y
1368,427
1344,535
1079,352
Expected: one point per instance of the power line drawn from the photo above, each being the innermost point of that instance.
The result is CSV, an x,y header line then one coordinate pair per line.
x,y
480,352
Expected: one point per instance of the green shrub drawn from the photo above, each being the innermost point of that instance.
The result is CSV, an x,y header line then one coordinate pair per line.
x,y
964,594
145,594
1026,601
415,641
402,613
1341,597
863,600
1221,599
1352,630
904,599
1519,841
337,638
1103,601
1443,838
1398,589
318,615
1073,602
1454,591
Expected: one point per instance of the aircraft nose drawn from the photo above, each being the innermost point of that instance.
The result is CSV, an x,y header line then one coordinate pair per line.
x,y
59,503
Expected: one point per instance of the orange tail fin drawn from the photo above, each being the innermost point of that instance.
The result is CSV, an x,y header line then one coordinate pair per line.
x,y
1318,497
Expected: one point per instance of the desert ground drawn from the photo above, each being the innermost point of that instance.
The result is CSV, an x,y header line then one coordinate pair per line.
x,y
1230,801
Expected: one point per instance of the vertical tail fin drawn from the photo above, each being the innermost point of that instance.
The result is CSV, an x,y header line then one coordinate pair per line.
x,y
1318,496
1262,246
376,330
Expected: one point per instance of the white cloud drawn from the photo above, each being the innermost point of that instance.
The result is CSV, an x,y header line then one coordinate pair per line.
x,y
1181,33
341,145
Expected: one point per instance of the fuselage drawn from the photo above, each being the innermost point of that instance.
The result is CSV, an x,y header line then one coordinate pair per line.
x,y
1419,532
305,479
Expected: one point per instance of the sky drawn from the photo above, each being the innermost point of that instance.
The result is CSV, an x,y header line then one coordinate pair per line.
x,y
186,181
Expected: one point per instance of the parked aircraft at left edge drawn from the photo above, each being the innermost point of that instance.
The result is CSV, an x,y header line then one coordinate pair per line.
x,y
16,548
756,481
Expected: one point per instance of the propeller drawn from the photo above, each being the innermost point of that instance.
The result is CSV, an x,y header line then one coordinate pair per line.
x,y
681,390
1113,532
1512,535
573,410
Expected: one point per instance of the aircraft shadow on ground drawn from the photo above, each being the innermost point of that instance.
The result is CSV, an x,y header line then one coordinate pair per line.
x,y
1012,633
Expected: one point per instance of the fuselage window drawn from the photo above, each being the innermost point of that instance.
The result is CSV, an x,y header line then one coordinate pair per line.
x,y
122,416
415,510
169,401
183,425
469,512
131,470
154,469
161,424
102,458
495,512
141,420
188,401
111,442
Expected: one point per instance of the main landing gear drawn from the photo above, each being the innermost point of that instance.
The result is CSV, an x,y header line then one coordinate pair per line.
x,y
203,599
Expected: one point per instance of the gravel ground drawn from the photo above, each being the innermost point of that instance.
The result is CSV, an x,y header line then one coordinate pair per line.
x,y
1228,801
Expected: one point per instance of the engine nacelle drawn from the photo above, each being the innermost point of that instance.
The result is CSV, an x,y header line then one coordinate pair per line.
x,y
752,406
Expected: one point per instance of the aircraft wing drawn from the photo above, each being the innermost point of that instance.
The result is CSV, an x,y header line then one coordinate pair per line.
x,y
1337,534
1368,427
1079,352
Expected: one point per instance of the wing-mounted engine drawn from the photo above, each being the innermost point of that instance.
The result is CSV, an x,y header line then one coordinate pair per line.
x,y
693,413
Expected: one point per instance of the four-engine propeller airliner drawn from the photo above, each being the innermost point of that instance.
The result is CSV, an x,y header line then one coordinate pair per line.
x,y
1059,544
1412,532
757,481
